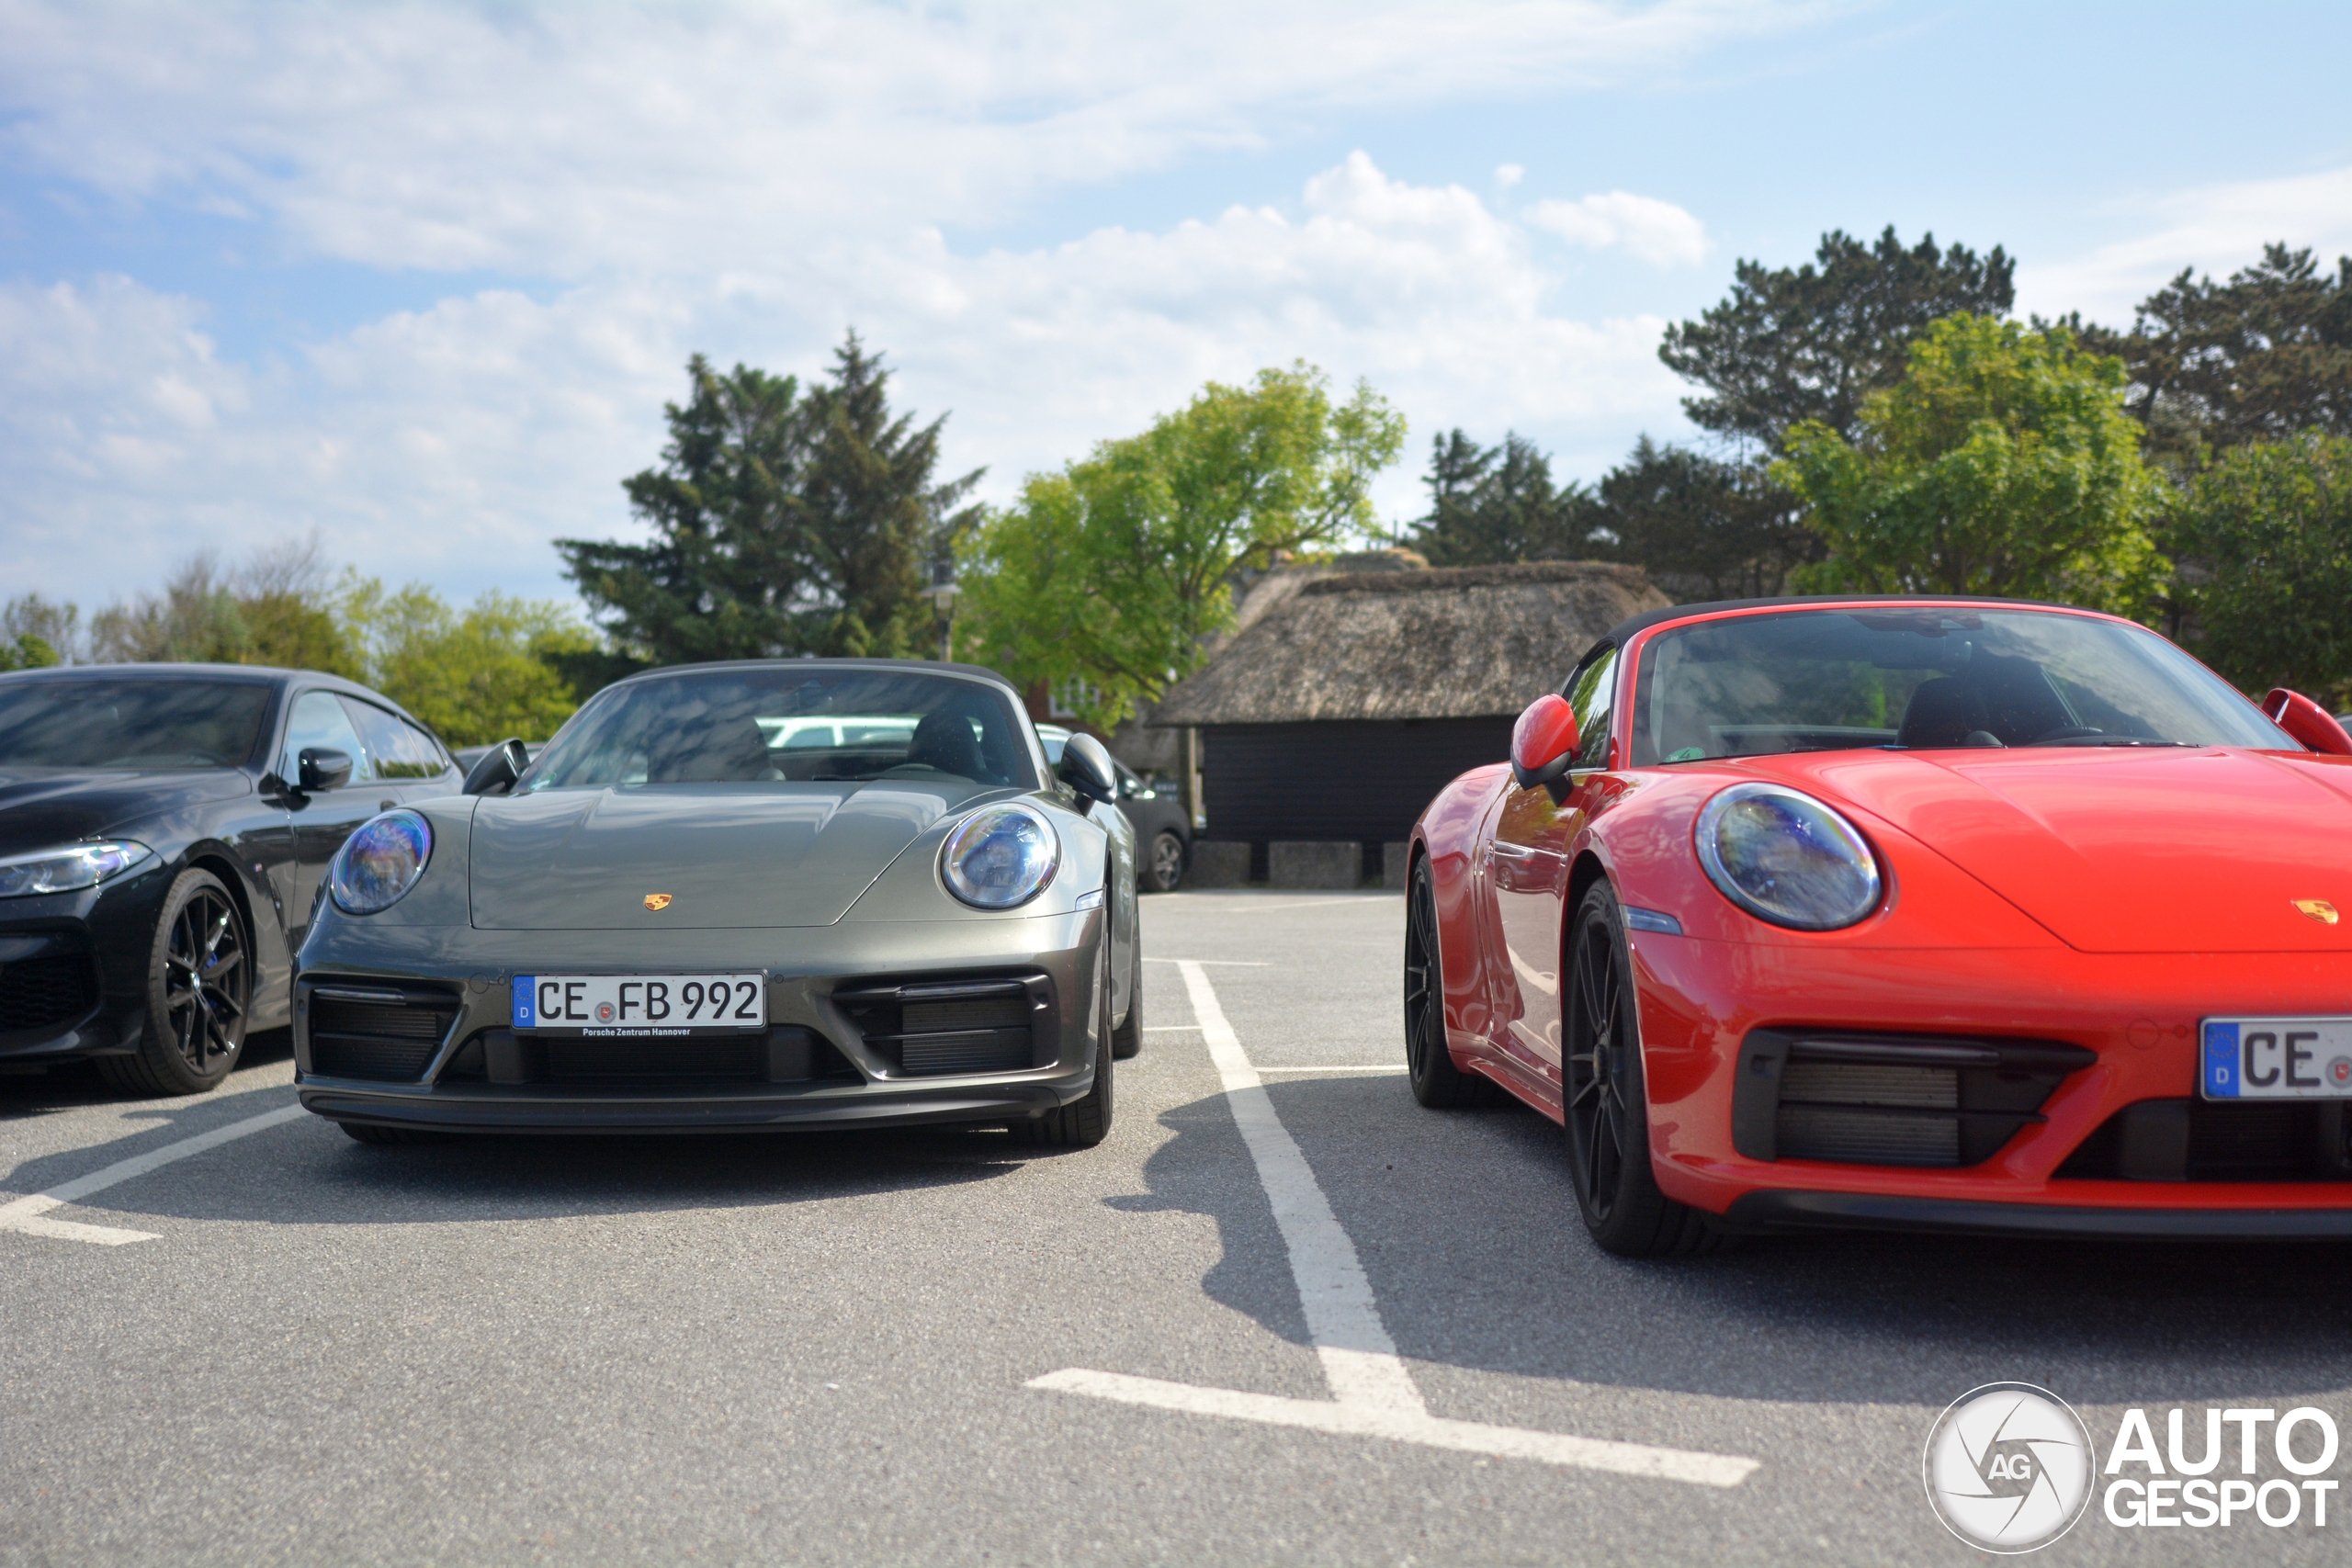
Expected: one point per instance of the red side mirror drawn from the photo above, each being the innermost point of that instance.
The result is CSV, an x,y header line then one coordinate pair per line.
x,y
2302,718
1544,742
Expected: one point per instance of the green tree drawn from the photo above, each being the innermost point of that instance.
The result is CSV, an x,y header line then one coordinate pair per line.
x,y
782,522
2261,358
1810,343
476,675
2002,463
1115,570
37,632
2270,525
1498,504
276,609
1702,528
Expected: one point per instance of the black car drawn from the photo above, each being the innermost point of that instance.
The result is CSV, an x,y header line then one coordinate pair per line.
x,y
164,834
1163,832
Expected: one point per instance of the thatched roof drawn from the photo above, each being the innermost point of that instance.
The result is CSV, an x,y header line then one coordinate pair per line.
x,y
1465,642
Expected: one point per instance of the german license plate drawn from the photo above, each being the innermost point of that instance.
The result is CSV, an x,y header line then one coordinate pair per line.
x,y
641,1004
2275,1059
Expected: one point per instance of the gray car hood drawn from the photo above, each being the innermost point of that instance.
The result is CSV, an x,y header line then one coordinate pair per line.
x,y
730,856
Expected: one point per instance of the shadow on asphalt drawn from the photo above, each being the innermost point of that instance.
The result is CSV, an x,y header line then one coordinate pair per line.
x,y
1468,1230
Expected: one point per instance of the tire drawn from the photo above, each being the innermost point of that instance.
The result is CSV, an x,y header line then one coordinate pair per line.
x,y
1163,868
1606,1102
1126,1042
361,1132
199,994
1086,1121
1429,1064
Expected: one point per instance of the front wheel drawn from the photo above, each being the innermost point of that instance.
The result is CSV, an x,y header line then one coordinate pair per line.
x,y
1607,1102
1163,868
200,987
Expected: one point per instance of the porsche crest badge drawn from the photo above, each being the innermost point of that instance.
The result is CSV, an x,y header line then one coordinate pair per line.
x,y
2319,909
657,902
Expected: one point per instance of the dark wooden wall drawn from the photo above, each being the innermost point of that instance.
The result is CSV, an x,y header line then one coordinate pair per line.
x,y
1365,780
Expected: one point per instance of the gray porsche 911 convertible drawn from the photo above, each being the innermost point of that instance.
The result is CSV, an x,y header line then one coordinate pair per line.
x,y
752,895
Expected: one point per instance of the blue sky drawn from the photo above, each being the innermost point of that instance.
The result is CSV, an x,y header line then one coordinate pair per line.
x,y
418,278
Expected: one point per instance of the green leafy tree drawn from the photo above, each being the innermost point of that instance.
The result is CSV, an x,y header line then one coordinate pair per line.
x,y
2261,358
1498,504
1810,343
783,522
476,675
276,609
37,632
2270,525
1704,528
2002,463
1114,571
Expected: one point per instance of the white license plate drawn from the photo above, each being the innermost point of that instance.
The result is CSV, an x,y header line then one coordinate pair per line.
x,y
2275,1059
642,1004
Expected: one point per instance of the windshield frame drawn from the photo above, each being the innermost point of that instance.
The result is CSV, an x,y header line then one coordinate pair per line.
x,y
994,684
1640,647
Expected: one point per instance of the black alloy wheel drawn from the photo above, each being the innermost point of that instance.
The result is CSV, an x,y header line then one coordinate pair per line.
x,y
1086,1121
1606,1102
1429,1064
199,990
1163,870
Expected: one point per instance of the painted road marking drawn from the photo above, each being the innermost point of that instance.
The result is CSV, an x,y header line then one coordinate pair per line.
x,y
1360,1068
1373,1392
26,1214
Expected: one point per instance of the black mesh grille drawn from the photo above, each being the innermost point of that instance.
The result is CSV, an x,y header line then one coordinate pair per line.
x,y
390,1041
2200,1139
955,1026
44,992
1932,1101
729,1059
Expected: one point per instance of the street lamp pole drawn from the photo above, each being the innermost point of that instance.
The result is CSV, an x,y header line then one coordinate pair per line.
x,y
943,597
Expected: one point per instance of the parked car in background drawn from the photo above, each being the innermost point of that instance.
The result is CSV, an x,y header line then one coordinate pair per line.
x,y
1163,832
165,836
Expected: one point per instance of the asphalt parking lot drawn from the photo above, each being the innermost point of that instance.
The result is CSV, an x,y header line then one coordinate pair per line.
x,y
821,1348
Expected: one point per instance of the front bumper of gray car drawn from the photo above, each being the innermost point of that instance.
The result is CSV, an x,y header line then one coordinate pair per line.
x,y
870,1023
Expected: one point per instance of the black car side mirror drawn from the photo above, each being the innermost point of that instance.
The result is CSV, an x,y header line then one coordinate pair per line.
x,y
1086,768
322,767
498,768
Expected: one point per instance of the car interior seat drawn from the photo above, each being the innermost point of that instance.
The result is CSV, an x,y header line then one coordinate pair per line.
x,y
943,741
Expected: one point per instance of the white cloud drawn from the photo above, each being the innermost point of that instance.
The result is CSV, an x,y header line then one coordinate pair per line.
x,y
1657,231
1509,174
2213,229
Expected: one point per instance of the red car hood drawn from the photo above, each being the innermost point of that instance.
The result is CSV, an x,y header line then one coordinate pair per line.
x,y
2124,850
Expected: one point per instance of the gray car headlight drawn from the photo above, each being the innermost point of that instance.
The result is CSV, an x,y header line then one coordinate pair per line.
x,y
379,864
1786,858
1000,856
68,867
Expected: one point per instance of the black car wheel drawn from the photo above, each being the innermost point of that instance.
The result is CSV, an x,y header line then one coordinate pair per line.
x,y
1163,870
1127,1043
1607,1105
199,988
1429,1066
1086,1121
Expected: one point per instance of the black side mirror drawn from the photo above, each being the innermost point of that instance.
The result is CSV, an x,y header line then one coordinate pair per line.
x,y
322,767
498,768
1086,768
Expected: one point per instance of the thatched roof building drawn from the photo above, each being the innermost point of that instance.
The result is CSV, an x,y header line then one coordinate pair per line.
x,y
1346,701
1464,642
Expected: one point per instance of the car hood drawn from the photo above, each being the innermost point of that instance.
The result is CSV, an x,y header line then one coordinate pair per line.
x,y
42,807
2125,851
731,856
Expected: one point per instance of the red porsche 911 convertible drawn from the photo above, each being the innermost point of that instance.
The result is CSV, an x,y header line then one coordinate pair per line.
x,y
1954,914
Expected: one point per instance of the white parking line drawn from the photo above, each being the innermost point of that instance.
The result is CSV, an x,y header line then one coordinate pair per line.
x,y
26,1214
1373,1392
1372,1068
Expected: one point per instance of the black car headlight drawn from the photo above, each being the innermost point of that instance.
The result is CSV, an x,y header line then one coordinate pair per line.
x,y
1000,856
68,867
1786,858
379,864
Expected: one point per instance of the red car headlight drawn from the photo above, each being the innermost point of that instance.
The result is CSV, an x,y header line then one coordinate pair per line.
x,y
1785,857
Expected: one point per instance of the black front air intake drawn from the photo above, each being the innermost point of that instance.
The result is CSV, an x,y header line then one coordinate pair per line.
x,y
1923,1100
2209,1140
387,1033
932,1028
47,991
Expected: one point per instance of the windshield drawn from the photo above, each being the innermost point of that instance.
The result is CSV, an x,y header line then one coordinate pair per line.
x,y
791,722
126,723
1830,680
